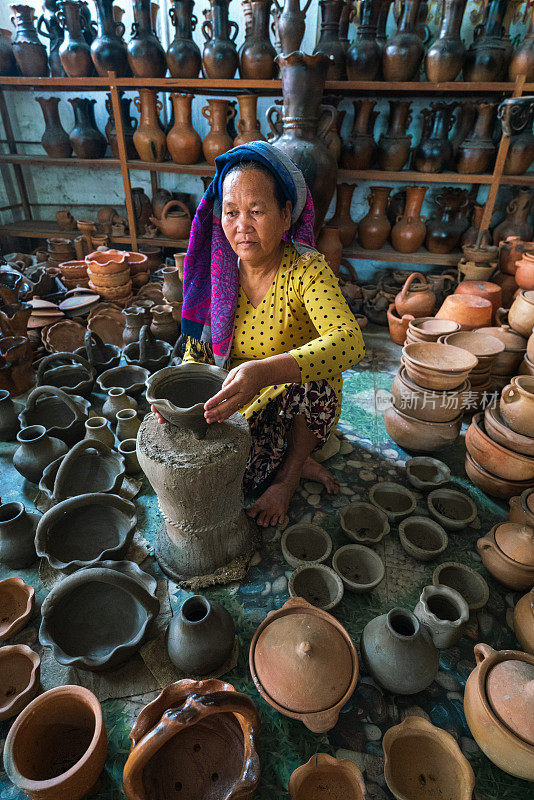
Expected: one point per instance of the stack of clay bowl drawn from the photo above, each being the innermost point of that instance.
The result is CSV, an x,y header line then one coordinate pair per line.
x,y
109,275
429,329
478,263
428,396
507,363
486,348
73,274
59,250
44,313
139,269
500,442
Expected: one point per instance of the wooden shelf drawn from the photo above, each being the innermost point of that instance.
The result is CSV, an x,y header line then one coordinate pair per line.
x,y
202,168
84,163
387,253
412,176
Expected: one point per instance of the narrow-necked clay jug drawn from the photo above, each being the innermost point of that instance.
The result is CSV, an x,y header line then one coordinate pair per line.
x,y
55,139
29,52
359,149
521,151
477,151
408,233
522,61
17,534
256,56
117,400
404,51
328,42
291,25
374,228
434,151
342,220
183,142
516,222
445,57
9,423
248,125
364,56
200,636
129,125
394,145
219,57
108,50
183,56
172,285
218,113
36,451
329,244
49,27
146,56
85,138
416,297
134,317
444,232
486,57
8,65
149,138
163,325
74,52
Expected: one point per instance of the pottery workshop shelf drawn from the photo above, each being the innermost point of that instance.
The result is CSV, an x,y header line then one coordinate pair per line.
x,y
387,253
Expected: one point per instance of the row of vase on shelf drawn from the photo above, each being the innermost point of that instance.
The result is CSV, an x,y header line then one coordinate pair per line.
x,y
77,50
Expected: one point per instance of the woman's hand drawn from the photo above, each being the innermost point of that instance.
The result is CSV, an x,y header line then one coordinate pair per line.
x,y
241,384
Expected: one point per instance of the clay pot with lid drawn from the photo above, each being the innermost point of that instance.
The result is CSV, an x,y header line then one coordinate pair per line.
x,y
521,314
394,145
499,708
517,405
374,228
524,622
304,664
404,51
416,297
507,552
323,773
408,233
183,142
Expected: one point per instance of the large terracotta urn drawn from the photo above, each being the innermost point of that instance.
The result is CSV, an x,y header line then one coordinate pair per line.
x,y
183,142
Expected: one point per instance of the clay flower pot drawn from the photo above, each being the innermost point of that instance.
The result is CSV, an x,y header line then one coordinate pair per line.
x,y
453,510
17,600
364,523
464,580
424,472
305,543
524,622
317,584
395,500
304,664
359,567
200,636
507,552
444,611
57,745
418,755
423,404
422,538
420,436
19,678
499,708
198,738
324,774
68,475
437,366
495,458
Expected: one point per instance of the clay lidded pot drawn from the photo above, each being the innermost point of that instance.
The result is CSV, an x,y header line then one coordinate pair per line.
x,y
183,142
329,776
17,600
36,451
517,405
416,297
409,231
20,670
522,508
444,611
374,228
507,552
499,708
57,745
200,636
304,664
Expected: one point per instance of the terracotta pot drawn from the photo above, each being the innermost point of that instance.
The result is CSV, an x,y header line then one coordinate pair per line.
x,y
404,51
18,601
507,552
359,149
418,436
492,456
149,139
398,326
470,311
484,289
415,298
374,228
218,113
516,222
524,622
433,407
175,224
521,151
429,329
248,125
329,244
200,636
146,56
74,51
476,153
183,142
445,56
437,366
517,405
502,734
85,138
434,151
342,220
521,314
394,145
524,275
491,484
325,773
511,250
219,57
486,57
55,139
256,56
507,362
408,233
29,52
183,55
522,508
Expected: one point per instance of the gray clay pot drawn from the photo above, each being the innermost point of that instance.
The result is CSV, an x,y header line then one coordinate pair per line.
x,y
36,451
393,498
318,585
17,532
179,393
452,509
305,543
422,538
62,415
444,612
200,637
9,423
425,472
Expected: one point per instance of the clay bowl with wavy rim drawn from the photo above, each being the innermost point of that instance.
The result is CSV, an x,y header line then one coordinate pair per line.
x,y
429,329
425,404
394,499
497,429
17,600
452,509
470,584
20,671
108,324
522,508
490,483
63,416
364,523
179,393
131,378
98,617
359,567
422,538
437,366
57,745
418,436
485,347
423,761
317,584
503,462
197,739
67,371
305,543
63,337
328,777
425,472
88,463
86,529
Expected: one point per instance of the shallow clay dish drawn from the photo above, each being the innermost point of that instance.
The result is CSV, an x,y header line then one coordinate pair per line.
x,y
498,431
63,416
491,484
19,678
364,523
98,617
63,337
108,326
503,462
359,567
326,776
393,498
429,329
317,584
423,761
465,581
56,747
130,378
422,538
452,509
484,346
17,600
305,543
86,529
425,473
179,393
88,463
197,738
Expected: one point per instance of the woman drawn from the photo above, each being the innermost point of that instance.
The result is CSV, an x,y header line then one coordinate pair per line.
x,y
262,302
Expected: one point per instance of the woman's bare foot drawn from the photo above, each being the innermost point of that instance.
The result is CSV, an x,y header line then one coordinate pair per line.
x,y
271,507
315,472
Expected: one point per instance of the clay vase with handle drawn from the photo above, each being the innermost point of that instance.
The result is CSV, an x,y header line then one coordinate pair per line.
x,y
129,125
176,223
291,25
218,113
85,138
416,297
183,55
149,139
146,56
408,233
55,139
374,228
248,125
434,151
30,53
183,142
404,51
342,220
329,42
522,61
394,145
521,151
219,57
359,149
486,57
445,57
517,216
256,56
477,151
74,52
108,50
364,56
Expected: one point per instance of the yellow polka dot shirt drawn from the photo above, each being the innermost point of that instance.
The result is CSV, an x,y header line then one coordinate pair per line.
x,y
304,314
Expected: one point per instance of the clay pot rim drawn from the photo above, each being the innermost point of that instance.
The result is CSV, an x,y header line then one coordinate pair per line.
x,y
398,487
432,589
477,423
503,484
22,589
31,433
117,471
139,376
295,561
453,522
31,686
16,508
127,446
422,552
480,580
364,551
328,573
521,442
370,509
416,323
497,345
419,483
423,364
436,425
504,330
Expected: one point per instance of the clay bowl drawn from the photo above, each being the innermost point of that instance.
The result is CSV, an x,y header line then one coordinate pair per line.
x,y
364,523
179,393
74,377
57,745
522,508
422,538
465,581
160,353
395,500
429,329
491,484
130,378
108,357
305,543
426,405
437,366
485,347
329,777
112,279
425,473
491,455
86,529
497,429
507,362
423,761
318,584
63,416
198,739
418,436
359,567
89,463
19,678
453,510
98,617
17,600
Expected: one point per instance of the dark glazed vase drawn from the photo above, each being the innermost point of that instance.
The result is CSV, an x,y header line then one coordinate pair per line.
x,y
108,50
303,79
487,55
74,52
183,56
477,151
444,232
8,65
85,138
55,138
219,57
48,26
342,219
404,52
359,149
200,636
374,228
394,145
129,125
344,22
329,43
434,151
445,56
291,24
29,52
256,57
364,55
146,56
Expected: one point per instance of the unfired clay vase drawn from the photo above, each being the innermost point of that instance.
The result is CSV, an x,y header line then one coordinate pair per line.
x,y
9,424
57,745
327,776
507,552
17,531
117,400
17,600
19,678
98,428
364,523
128,450
303,543
524,622
200,636
36,451
444,611
128,423
63,416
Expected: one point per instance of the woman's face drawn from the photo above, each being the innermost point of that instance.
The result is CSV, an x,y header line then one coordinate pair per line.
x,y
251,217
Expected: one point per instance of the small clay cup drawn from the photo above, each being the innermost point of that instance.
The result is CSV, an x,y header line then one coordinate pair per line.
x,y
393,498
364,523
422,538
465,581
452,509
318,585
359,567
128,450
426,473
305,543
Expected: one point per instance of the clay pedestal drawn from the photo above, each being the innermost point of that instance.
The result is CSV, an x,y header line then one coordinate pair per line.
x,y
206,537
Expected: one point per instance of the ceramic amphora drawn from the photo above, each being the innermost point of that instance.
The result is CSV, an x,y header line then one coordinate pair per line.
x,y
200,637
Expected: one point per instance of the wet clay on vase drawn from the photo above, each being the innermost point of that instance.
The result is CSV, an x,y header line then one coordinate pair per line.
x,y
444,611
408,233
200,637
